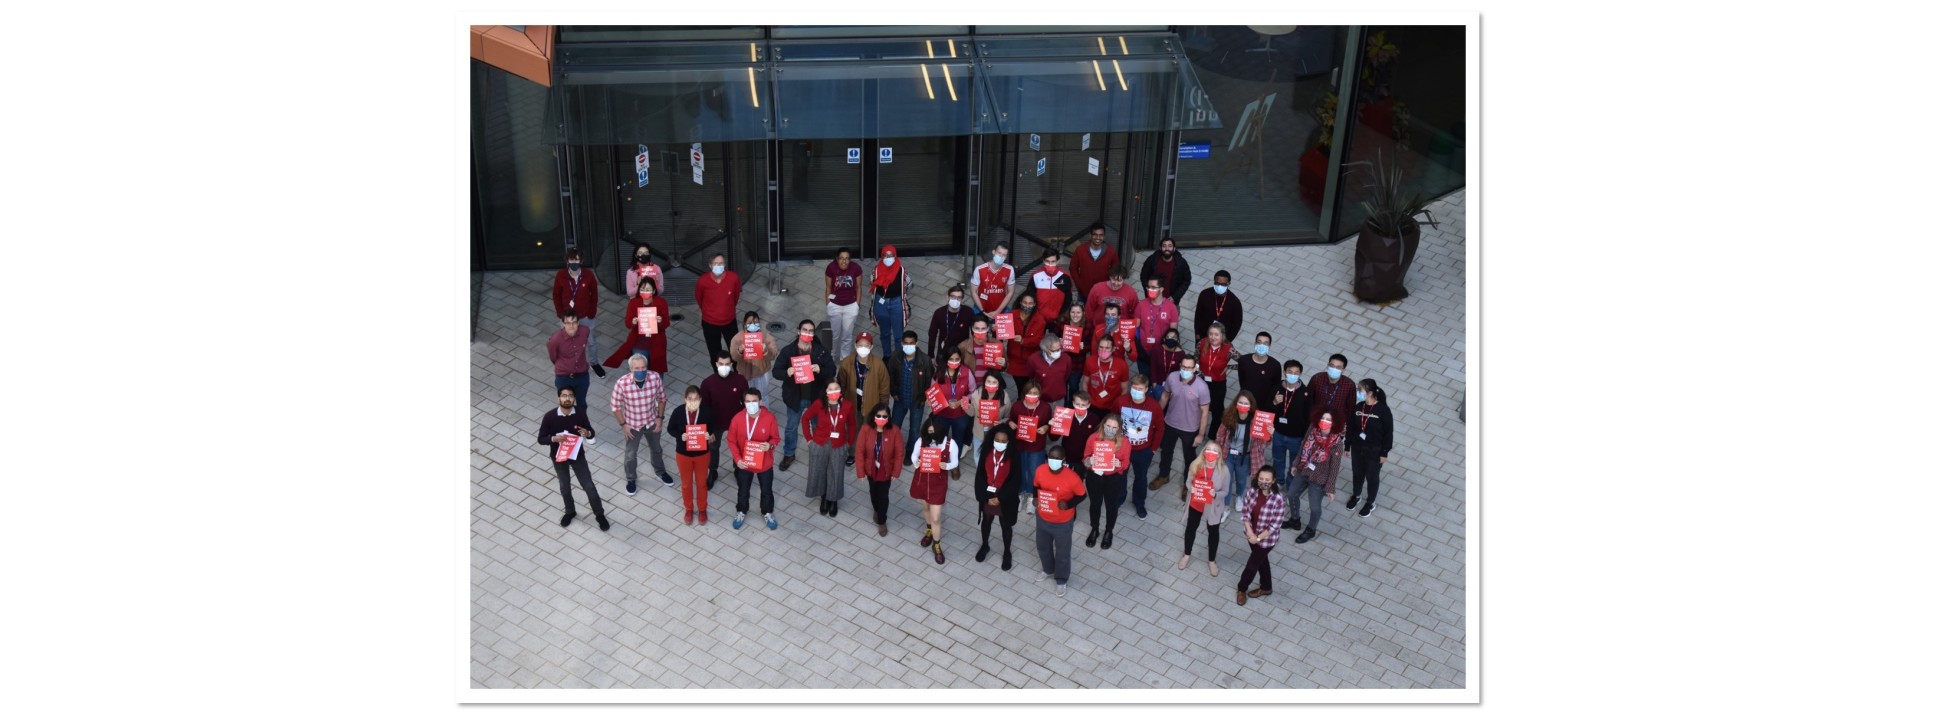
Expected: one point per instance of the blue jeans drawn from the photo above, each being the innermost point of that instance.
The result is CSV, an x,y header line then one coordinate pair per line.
x,y
1296,488
1139,459
892,322
792,429
1285,444
1030,461
590,339
580,385
1238,479
910,420
961,429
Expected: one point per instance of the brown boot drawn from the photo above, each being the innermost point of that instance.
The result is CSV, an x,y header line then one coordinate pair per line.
x,y
1157,483
1242,599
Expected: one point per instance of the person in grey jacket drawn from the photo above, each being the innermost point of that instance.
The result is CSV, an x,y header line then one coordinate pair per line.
x,y
1206,482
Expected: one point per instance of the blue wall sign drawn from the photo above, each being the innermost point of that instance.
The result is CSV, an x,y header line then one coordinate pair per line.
x,y
852,155
1192,149
886,155
1041,167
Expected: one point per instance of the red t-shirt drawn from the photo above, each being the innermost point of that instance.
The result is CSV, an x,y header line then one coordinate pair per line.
x,y
993,286
1052,488
718,301
846,289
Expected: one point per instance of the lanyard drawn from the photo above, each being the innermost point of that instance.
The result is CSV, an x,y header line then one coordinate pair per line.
x,y
1219,303
1363,421
691,419
832,414
751,424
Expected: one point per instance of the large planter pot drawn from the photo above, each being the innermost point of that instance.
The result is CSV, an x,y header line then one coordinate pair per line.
x,y
1383,260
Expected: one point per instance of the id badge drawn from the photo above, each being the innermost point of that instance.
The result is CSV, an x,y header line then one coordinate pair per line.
x,y
835,435
1363,435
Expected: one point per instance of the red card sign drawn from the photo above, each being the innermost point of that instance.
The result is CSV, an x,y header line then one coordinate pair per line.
x,y
761,461
647,321
1071,338
1260,429
1125,331
567,446
1004,326
929,459
990,412
802,369
1027,425
936,398
1059,424
1201,489
988,355
1104,457
755,348
694,437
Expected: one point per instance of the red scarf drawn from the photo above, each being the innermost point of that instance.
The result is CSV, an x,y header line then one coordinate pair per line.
x,y
884,275
997,469
1321,445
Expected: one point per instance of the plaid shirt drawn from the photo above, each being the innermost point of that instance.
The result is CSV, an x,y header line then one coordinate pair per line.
x,y
1271,526
640,404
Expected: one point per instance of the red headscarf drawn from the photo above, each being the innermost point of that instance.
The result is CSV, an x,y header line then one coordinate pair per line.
x,y
882,274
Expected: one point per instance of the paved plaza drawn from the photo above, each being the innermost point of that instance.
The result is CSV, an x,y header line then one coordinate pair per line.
x,y
827,603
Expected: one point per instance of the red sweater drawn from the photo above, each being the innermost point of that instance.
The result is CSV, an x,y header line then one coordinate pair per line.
x,y
1154,409
1052,377
830,427
718,301
1100,295
1107,385
1042,413
585,295
1088,270
743,433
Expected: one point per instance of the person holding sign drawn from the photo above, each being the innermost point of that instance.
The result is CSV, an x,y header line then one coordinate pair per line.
x,y
1245,434
753,351
638,404
1154,317
645,320
1058,491
690,424
950,396
1207,482
830,424
1116,292
1072,328
1117,328
863,374
998,490
803,380
984,354
751,439
1259,512
1315,466
988,400
876,457
1107,374
935,455
1029,418
1141,421
1107,463
568,432
1050,370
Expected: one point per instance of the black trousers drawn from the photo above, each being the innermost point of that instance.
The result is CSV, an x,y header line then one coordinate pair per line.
x,y
712,474
1009,510
1170,437
584,480
745,489
1258,564
1188,534
1218,389
1105,494
717,338
877,489
1364,467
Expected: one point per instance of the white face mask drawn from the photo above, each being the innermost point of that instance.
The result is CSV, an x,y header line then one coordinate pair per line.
x,y
718,269
908,349
1055,354
863,351
1000,446
725,371
953,304
888,261
752,407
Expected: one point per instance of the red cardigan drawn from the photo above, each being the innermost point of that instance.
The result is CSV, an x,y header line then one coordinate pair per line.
x,y
586,295
818,422
892,454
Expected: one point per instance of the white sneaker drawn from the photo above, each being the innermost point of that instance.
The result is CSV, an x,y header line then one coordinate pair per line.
x,y
1040,577
1060,590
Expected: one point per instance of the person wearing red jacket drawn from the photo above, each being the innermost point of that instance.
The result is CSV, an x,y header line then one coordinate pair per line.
x,y
1109,474
753,436
877,458
1090,263
1141,421
653,346
1107,378
1076,349
1214,354
575,291
718,305
829,426
1110,325
1029,326
1050,368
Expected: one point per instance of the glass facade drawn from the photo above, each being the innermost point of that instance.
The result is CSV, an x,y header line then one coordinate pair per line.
x,y
1409,113
514,170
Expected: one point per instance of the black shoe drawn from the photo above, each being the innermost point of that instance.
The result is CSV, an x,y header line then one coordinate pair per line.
x,y
566,521
786,464
631,487
597,369
1294,524
1007,559
833,510
603,524
822,507
1351,505
849,462
1108,539
711,479
1307,535
982,554
1092,536
1367,509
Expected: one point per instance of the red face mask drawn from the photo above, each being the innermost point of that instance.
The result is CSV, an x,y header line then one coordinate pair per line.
x,y
805,338
1033,399
1323,426
1051,270
1154,293
1209,457
832,396
993,387
1081,411
1242,408
1105,352
880,421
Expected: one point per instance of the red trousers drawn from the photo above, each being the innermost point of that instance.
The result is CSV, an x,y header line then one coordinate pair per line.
x,y
691,480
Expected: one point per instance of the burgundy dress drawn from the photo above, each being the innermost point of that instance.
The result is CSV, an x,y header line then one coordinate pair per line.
x,y
930,487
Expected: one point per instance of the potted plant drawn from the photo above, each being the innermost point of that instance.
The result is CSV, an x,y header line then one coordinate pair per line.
x,y
1387,244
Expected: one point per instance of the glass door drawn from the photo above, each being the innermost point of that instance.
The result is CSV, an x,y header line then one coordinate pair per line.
x,y
1046,189
866,193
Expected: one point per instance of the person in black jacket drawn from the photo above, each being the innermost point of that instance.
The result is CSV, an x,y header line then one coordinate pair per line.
x,y
799,395
1218,304
567,419
1168,260
692,416
909,372
1368,434
997,487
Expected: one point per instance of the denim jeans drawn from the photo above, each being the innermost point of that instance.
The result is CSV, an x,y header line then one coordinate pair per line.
x,y
792,429
1296,488
910,416
961,429
1139,459
1238,479
1029,462
1285,445
892,321
590,326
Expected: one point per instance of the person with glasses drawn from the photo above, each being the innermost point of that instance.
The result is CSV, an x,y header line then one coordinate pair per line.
x,y
568,420
568,349
575,291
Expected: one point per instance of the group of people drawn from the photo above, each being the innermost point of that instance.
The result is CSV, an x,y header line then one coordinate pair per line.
x,y
1059,388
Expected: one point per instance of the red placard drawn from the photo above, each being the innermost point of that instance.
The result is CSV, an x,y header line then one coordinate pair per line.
x,y
761,461
1027,425
695,437
1125,331
802,369
1105,455
1062,420
1260,428
566,446
1201,489
1071,338
647,321
936,397
1004,326
929,459
755,347
990,412
988,355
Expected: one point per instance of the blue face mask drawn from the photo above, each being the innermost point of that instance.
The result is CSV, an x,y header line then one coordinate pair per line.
x,y
752,328
1262,349
573,266
1291,378
1336,373
640,376
718,269
998,260
1359,396
1222,289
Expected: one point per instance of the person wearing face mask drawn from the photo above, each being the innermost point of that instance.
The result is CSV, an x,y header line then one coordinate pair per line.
x,y
1033,449
568,349
1331,390
1030,326
1369,434
1205,484
1052,288
1092,260
724,395
979,338
1315,469
718,299
1215,355
930,480
1141,422
1050,369
1167,264
909,372
641,268
950,324
692,416
1106,374
754,362
993,389
575,291
864,374
1289,401
1154,317
1074,319
1259,510
1243,452
1218,305
1107,473
876,455
566,419
751,439
997,488
956,384
645,305
1116,290
1082,426
843,299
1164,361
798,395
993,282
1258,373
638,404
830,424
890,288
1185,410
1058,491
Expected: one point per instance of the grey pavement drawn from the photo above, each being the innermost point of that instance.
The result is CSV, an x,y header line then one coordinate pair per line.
x,y
827,603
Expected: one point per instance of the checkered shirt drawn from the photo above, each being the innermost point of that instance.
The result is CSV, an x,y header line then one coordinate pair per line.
x,y
641,404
